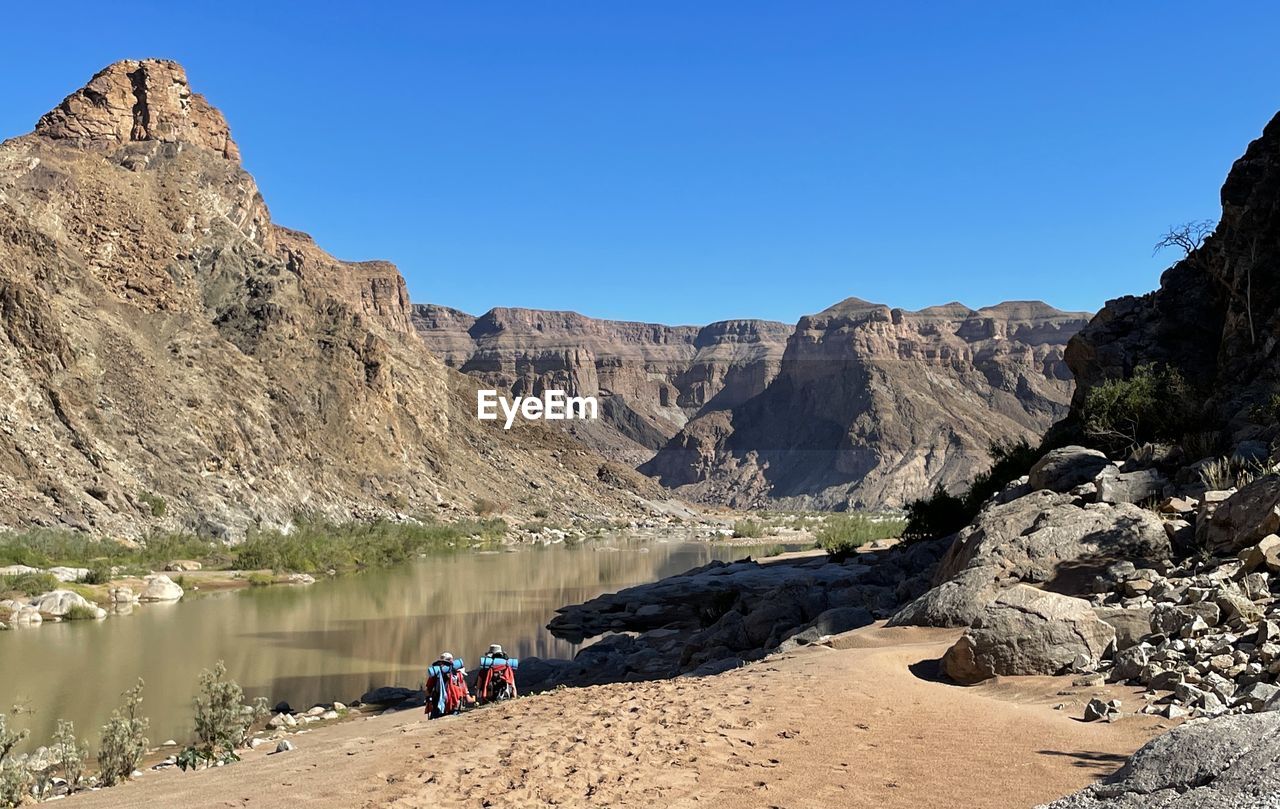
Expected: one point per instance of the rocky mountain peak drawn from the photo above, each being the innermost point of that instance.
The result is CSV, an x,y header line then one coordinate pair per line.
x,y
139,100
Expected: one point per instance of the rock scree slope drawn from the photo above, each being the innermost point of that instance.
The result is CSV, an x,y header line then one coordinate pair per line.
x,y
160,335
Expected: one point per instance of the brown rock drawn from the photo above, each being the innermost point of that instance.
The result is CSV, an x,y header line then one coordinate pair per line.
x,y
1028,631
159,333
147,100
875,406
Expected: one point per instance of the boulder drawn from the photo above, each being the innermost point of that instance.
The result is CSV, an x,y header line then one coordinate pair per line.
x,y
1129,487
65,574
1245,518
60,603
955,602
183,566
1264,555
832,622
1042,538
1061,470
121,595
1029,631
160,588
1131,625
1224,762
391,695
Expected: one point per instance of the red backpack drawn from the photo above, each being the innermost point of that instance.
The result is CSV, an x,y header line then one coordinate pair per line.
x,y
446,688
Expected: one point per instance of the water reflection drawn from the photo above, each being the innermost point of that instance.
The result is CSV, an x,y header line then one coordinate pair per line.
x,y
330,641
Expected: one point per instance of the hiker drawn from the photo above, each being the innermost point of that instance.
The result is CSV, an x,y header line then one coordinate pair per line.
x,y
496,677
446,687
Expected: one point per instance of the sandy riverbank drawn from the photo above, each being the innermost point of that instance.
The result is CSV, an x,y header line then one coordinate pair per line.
x,y
860,725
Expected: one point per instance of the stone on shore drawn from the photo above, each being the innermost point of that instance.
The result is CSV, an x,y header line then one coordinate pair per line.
x,y
1029,631
60,603
160,588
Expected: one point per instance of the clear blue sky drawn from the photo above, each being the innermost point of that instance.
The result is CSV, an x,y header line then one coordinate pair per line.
x,y
686,162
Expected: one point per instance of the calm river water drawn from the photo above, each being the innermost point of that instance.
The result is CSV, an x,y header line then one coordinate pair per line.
x,y
329,641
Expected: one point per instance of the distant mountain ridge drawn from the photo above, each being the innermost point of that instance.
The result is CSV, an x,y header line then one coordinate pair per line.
x,y
651,378
860,405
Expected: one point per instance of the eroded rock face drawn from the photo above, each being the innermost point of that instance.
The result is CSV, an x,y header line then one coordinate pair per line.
x,y
160,335
874,406
1029,631
145,100
651,379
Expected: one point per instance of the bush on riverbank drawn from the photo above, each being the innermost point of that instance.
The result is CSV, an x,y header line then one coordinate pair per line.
x,y
28,584
45,548
223,721
842,534
748,529
124,742
315,547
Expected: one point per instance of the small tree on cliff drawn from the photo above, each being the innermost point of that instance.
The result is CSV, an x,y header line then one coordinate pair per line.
x,y
1187,237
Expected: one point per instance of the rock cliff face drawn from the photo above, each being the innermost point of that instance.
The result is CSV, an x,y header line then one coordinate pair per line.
x,y
873,406
160,336
650,379
1216,315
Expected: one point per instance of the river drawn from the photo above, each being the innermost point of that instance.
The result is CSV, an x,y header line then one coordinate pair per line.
x,y
329,641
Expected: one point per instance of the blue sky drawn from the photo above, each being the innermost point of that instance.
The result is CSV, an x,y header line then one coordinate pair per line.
x,y
687,162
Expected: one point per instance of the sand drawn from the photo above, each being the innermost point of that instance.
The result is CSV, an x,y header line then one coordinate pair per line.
x,y
859,725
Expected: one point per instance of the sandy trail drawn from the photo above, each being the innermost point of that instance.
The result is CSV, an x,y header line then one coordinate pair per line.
x,y
851,726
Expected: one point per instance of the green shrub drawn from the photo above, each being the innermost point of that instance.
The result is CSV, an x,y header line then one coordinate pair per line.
x,y
15,779
124,742
29,584
842,534
154,503
223,721
79,612
257,579
44,548
1154,404
71,754
748,529
316,547
98,574
937,515
943,513
541,514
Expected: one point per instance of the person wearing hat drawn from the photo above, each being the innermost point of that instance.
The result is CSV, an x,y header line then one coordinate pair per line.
x,y
446,687
496,677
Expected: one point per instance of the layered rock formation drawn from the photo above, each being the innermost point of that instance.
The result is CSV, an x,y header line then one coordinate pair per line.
x,y
874,406
162,339
650,379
